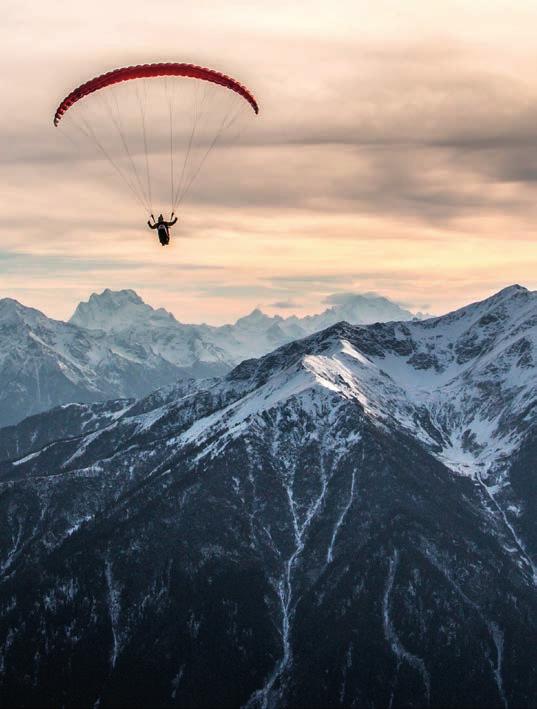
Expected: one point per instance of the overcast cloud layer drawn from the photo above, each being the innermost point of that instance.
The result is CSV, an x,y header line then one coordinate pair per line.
x,y
395,152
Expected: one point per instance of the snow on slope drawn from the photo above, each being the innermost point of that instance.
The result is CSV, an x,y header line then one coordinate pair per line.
x,y
356,309
132,325
45,362
115,345
320,495
116,310
464,383
125,315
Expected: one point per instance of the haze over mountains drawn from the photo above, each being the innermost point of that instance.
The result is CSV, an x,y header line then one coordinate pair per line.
x,y
349,520
115,345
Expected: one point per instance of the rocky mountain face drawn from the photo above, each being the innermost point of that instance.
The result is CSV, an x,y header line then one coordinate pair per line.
x,y
126,316
346,521
45,362
115,345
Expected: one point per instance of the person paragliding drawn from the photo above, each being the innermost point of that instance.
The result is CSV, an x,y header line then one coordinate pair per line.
x,y
156,124
162,227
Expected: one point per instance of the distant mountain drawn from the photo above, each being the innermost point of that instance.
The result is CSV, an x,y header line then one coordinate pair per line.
x,y
357,309
117,310
124,314
349,520
45,362
115,345
122,310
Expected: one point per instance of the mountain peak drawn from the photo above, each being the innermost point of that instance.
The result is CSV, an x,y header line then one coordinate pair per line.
x,y
506,303
116,310
359,309
117,298
256,317
514,287
510,291
13,311
351,433
10,304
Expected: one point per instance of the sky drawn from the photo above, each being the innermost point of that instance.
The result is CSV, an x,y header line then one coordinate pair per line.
x,y
395,151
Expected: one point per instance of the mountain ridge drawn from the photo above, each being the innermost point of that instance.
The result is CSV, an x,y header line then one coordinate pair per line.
x,y
115,345
223,526
112,301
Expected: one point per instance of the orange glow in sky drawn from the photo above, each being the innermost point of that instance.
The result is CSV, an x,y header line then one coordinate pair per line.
x,y
395,152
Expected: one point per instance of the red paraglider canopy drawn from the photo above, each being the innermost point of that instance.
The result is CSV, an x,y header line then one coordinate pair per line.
x,y
152,70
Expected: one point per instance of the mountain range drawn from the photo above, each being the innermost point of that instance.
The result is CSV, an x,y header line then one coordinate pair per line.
x,y
115,345
348,520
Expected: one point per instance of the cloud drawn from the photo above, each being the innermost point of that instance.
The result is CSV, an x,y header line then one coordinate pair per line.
x,y
425,132
376,162
242,292
345,298
284,305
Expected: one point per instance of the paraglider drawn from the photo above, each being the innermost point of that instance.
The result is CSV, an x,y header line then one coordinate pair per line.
x,y
162,227
156,124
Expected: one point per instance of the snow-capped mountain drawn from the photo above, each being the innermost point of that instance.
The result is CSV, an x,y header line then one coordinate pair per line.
x,y
45,362
118,310
130,324
346,521
115,345
356,309
124,314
